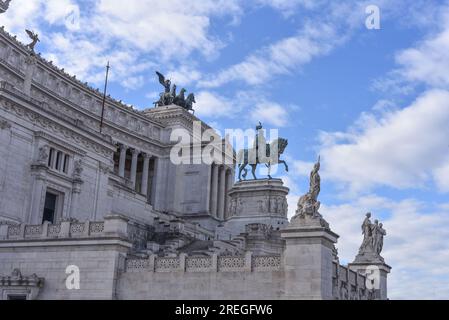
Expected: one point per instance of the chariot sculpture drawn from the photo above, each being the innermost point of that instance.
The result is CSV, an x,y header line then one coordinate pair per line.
x,y
170,96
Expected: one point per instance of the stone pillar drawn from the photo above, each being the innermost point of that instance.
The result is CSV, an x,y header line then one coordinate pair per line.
x,y
307,260
159,187
229,182
121,167
213,190
39,171
30,62
376,277
116,224
75,197
249,201
221,193
146,166
135,154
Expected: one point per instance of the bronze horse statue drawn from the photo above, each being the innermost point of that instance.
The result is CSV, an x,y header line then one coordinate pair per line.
x,y
245,155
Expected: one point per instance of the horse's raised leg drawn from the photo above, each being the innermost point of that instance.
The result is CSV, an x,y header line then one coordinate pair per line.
x,y
253,170
285,164
241,168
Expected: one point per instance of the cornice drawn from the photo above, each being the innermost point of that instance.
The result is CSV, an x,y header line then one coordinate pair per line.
x,y
61,127
72,80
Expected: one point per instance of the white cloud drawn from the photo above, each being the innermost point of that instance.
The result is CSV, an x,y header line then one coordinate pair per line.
x,y
183,76
427,62
212,105
288,7
270,113
279,58
133,83
415,246
400,149
136,35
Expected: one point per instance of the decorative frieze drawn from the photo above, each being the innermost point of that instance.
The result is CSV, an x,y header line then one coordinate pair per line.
x,y
56,128
4,125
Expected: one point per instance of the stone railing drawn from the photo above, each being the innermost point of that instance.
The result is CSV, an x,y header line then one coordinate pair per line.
x,y
348,284
214,263
46,230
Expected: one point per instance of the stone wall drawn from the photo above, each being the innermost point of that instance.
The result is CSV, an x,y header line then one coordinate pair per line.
x,y
98,249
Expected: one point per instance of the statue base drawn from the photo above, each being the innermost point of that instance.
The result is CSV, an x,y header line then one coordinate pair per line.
x,y
257,202
369,257
376,274
305,220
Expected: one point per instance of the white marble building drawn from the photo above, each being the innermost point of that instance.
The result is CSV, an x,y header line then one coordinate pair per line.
x,y
136,225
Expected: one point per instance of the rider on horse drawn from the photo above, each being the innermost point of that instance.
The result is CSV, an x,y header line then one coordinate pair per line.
x,y
260,143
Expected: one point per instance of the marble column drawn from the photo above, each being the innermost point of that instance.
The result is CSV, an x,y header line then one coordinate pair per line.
x,y
75,199
121,168
135,154
222,193
229,182
146,165
39,188
213,190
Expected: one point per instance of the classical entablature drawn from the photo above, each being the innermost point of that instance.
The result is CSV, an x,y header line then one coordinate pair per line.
x,y
57,124
65,94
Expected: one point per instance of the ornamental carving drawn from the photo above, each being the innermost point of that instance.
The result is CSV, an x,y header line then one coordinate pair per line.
x,y
56,128
96,227
231,263
167,264
136,264
199,264
266,262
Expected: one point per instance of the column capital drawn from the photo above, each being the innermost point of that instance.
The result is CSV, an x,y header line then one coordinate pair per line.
x,y
134,151
146,155
122,146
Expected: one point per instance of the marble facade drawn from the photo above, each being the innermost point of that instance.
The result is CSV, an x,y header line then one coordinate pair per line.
x,y
137,225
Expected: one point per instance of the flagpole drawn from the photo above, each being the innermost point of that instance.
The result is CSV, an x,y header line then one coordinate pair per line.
x,y
104,97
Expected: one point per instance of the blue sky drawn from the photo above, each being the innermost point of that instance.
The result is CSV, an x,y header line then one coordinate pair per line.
x,y
373,103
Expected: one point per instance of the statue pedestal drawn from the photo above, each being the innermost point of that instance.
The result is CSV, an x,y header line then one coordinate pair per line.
x,y
376,277
308,261
257,202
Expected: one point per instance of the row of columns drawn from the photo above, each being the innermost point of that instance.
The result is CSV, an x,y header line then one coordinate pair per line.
x,y
133,175
221,183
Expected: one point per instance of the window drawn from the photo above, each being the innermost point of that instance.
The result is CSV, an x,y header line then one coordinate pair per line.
x,y
51,157
50,208
58,161
65,167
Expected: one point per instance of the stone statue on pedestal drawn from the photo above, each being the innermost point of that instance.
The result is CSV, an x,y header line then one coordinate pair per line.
x,y
307,212
373,239
35,39
261,153
169,95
